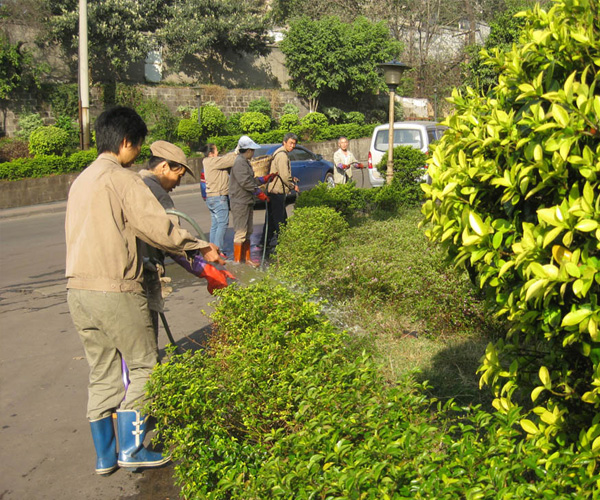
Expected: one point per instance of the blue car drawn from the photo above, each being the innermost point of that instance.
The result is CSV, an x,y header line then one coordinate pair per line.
x,y
308,167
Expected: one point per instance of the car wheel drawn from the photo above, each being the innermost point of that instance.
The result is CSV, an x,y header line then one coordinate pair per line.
x,y
329,180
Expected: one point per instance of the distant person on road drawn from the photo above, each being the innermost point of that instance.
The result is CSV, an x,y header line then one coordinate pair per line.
x,y
166,168
343,161
243,187
216,176
110,211
278,189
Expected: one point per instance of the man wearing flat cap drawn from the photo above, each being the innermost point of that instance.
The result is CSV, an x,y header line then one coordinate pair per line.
x,y
110,211
164,172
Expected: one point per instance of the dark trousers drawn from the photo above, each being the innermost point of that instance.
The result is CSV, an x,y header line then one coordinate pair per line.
x,y
275,216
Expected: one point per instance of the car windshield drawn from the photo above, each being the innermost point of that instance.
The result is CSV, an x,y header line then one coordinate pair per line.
x,y
261,151
402,137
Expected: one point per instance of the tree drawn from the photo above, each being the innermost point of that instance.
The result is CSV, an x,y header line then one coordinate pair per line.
x,y
205,30
117,33
330,55
516,198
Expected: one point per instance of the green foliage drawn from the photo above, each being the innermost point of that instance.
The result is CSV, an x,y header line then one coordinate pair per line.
x,y
197,30
280,405
233,126
515,196
333,114
40,166
290,109
261,105
345,199
408,175
212,121
28,122
254,122
310,234
48,141
355,117
65,123
117,32
311,124
288,121
18,70
329,55
63,99
81,159
162,124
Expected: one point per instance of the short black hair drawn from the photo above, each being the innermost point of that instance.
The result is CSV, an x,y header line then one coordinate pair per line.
x,y
155,161
290,135
116,124
209,148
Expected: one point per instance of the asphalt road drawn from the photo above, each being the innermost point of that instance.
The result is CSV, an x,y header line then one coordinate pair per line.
x,y
46,451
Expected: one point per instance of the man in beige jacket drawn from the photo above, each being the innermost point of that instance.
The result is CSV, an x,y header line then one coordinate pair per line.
x,y
278,189
110,211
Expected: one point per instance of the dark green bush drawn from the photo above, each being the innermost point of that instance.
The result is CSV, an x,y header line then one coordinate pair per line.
x,y
355,117
28,122
310,234
212,121
311,124
261,105
288,122
290,109
346,199
63,98
333,114
48,141
82,159
280,405
233,127
162,124
189,130
40,166
254,122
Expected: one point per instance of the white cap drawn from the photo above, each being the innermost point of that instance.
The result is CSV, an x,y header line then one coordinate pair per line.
x,y
246,143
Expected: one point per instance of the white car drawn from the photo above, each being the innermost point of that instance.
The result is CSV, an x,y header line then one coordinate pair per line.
x,y
418,134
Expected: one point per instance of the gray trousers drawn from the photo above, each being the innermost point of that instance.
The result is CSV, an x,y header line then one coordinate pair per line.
x,y
114,325
243,223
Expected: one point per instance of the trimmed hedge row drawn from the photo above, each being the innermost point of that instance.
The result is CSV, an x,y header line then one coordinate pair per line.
x,y
280,405
44,165
349,130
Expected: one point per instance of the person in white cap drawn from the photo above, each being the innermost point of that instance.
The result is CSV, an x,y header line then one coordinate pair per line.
x,y
243,186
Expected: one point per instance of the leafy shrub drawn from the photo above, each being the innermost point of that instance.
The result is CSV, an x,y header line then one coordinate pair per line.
x,y
11,149
279,405
63,98
28,122
66,123
333,114
233,126
355,117
312,122
81,159
189,130
515,198
408,176
261,105
145,154
40,166
162,124
288,121
212,121
346,199
290,109
253,121
48,141
308,235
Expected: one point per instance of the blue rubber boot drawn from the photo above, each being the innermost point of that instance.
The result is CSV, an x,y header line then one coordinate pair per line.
x,y
131,428
105,442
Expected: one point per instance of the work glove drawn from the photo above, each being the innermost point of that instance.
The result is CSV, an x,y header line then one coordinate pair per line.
x,y
341,166
215,278
266,178
262,196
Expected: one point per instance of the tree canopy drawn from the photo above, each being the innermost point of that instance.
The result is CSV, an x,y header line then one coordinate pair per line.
x,y
330,55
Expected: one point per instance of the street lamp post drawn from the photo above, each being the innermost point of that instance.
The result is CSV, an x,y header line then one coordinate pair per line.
x,y
392,71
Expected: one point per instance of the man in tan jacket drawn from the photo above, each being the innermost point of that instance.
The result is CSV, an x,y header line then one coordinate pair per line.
x,y
216,176
278,189
110,211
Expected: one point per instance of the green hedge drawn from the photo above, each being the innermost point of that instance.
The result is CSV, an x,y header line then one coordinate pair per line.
x,y
281,405
44,165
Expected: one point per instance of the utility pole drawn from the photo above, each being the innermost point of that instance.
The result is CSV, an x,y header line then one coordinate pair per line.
x,y
84,82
